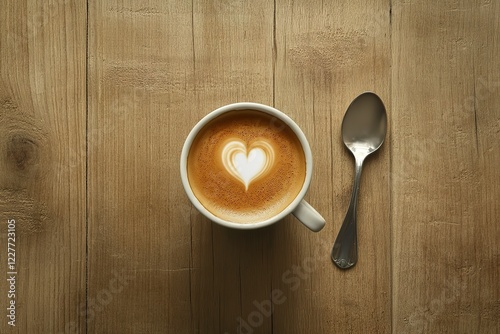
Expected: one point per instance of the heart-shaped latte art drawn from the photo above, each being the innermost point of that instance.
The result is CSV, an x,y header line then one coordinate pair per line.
x,y
247,163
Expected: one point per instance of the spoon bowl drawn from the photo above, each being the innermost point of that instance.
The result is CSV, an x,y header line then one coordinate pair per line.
x,y
365,124
363,132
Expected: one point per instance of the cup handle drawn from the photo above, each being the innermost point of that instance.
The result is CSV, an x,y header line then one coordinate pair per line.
x,y
309,216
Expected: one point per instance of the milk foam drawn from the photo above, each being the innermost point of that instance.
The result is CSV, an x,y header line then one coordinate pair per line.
x,y
247,163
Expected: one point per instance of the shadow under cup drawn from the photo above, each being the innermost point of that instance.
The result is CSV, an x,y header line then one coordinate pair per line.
x,y
218,170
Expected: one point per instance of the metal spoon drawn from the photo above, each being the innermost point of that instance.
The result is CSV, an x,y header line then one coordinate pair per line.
x,y
363,131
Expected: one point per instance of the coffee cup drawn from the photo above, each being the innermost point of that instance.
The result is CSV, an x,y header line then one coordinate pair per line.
x,y
248,165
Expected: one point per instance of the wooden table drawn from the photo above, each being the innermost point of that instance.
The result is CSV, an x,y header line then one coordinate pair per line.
x,y
97,97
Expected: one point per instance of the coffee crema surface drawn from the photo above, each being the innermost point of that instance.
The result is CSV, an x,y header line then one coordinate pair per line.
x,y
246,166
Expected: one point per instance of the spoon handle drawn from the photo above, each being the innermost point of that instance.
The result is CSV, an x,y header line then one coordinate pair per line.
x,y
345,248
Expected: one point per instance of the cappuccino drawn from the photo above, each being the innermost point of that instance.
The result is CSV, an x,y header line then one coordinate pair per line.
x,y
246,166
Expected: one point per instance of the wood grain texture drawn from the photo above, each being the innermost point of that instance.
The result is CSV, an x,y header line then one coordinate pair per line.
x,y
97,98
42,163
446,129
139,246
326,56
178,62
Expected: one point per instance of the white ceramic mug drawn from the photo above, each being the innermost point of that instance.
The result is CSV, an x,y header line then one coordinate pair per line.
x,y
298,207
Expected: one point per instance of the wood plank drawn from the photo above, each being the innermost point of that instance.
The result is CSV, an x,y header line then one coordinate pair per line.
x,y
233,63
42,163
446,193
155,69
327,53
